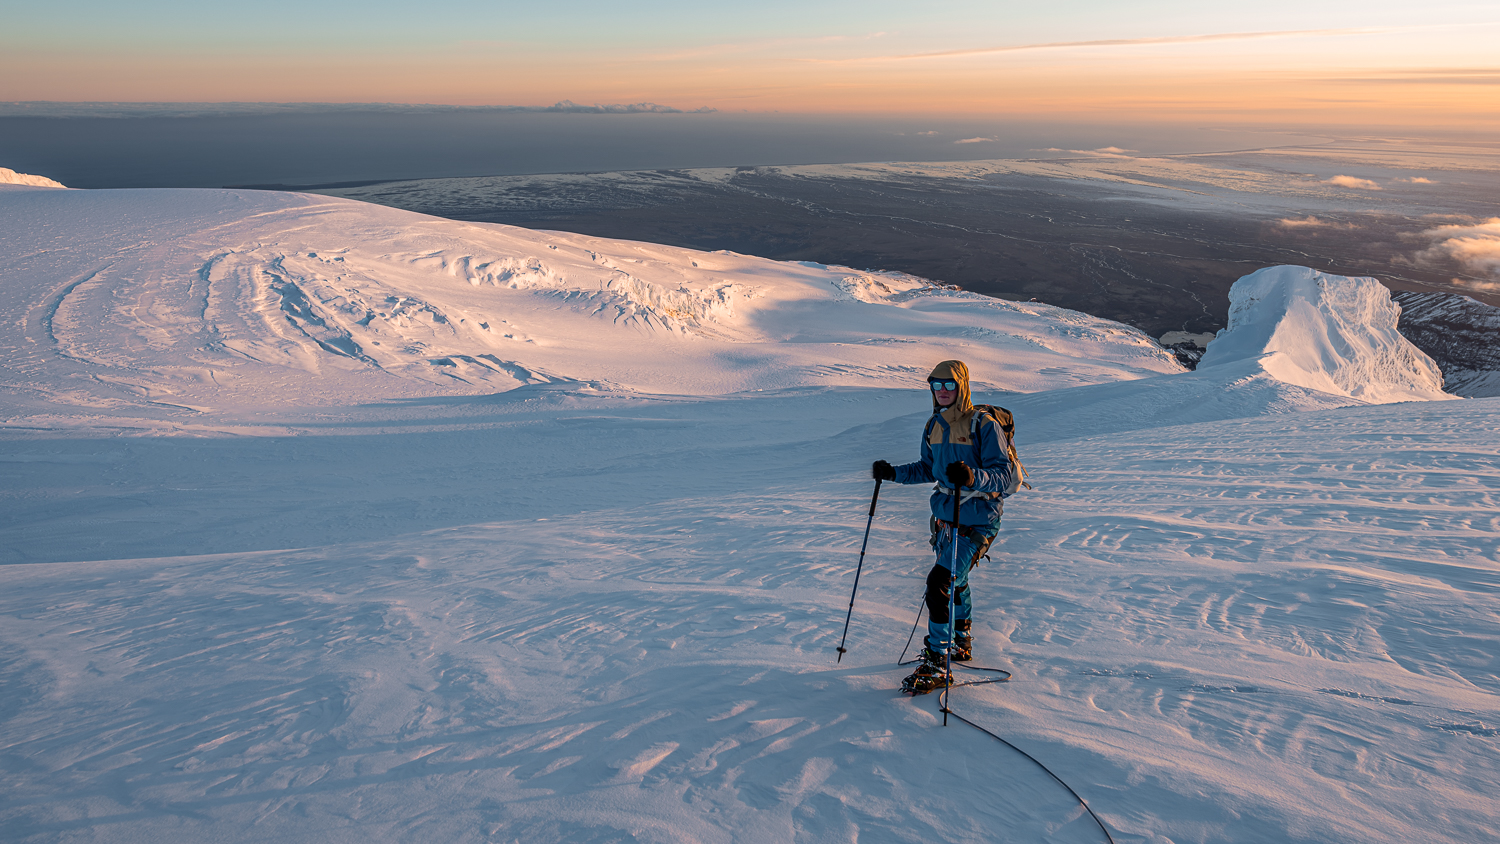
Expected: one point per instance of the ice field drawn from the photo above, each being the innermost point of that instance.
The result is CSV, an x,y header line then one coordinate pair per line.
x,y
328,522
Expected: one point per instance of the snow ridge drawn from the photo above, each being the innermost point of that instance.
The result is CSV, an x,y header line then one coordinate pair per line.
x,y
11,177
237,299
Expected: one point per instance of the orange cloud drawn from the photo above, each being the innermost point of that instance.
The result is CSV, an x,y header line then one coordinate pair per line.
x,y
1110,42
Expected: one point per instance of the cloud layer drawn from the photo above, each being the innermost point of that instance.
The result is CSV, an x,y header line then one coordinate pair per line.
x,y
1476,247
1311,222
1352,182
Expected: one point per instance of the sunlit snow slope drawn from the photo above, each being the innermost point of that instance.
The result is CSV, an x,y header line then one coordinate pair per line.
x,y
302,549
227,301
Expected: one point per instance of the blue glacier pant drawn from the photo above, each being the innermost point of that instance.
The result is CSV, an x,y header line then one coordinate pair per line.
x,y
970,548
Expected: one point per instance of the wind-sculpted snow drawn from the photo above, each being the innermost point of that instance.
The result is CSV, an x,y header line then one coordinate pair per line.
x,y
1271,629
1324,332
232,300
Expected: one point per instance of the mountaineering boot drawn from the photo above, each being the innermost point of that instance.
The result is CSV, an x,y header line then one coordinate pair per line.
x,y
931,674
963,643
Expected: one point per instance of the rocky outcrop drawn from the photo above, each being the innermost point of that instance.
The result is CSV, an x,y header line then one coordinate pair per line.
x,y
1460,334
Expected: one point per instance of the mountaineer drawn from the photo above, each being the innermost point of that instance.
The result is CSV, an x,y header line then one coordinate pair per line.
x,y
967,451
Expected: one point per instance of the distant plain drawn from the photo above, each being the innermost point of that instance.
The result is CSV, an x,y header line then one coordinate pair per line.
x,y
1152,241
212,145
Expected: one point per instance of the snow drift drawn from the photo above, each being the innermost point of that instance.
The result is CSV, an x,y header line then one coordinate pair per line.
x,y
1329,333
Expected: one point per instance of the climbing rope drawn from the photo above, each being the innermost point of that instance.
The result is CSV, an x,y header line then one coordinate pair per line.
x,y
948,710
1084,803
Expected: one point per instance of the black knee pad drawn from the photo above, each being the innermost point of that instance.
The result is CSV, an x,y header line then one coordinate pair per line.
x,y
937,594
961,595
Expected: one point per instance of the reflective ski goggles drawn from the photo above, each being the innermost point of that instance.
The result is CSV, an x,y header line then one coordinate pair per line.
x,y
937,384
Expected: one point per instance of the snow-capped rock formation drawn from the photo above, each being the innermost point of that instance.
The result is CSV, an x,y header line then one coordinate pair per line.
x,y
11,177
1298,341
1324,332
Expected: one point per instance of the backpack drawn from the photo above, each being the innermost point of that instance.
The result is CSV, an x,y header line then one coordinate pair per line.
x,y
1007,425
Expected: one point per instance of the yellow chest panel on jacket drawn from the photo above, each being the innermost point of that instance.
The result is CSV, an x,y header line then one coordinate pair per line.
x,y
960,428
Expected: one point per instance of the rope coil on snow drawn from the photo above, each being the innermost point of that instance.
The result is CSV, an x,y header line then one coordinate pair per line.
x,y
948,710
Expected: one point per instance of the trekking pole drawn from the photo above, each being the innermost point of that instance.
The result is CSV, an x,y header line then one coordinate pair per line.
x,y
952,599
860,568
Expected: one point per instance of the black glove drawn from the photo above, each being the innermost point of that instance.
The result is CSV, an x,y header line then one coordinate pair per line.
x,y
883,471
960,475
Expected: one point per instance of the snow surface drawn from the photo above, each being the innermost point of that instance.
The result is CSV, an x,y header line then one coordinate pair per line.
x,y
215,301
271,581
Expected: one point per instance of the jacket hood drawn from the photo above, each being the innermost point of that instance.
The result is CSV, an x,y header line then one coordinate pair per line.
x,y
963,405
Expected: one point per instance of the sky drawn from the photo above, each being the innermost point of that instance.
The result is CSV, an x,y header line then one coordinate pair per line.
x,y
1289,61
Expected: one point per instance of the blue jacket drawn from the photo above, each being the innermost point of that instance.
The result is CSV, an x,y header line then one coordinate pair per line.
x,y
993,470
